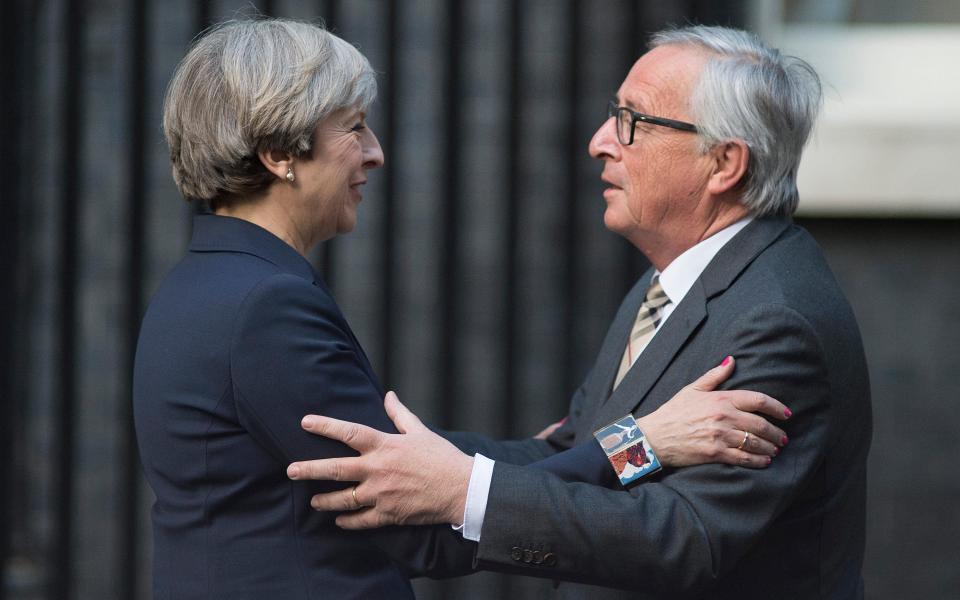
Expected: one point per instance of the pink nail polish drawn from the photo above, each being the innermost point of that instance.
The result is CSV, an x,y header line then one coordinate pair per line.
x,y
776,451
726,361
787,413
769,460
784,440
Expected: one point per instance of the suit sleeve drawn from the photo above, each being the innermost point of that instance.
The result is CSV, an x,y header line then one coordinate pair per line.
x,y
673,536
290,356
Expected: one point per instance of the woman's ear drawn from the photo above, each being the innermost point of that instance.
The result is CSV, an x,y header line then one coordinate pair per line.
x,y
730,161
277,162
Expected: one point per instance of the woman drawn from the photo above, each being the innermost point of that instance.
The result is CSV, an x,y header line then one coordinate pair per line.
x,y
266,125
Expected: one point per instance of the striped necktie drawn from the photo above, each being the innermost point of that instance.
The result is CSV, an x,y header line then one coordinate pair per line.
x,y
643,328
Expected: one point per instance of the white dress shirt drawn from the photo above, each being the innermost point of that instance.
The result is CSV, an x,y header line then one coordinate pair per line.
x,y
676,280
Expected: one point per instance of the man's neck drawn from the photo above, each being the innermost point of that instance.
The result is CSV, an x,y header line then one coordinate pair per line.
x,y
661,249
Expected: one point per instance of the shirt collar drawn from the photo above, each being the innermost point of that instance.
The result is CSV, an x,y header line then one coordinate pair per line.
x,y
679,276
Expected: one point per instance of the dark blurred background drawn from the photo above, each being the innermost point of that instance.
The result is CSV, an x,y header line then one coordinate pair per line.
x,y
480,279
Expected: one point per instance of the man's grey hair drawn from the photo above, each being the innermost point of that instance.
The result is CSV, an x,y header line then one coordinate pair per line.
x,y
254,85
752,92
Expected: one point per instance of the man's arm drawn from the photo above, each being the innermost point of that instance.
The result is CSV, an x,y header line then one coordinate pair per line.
x,y
694,524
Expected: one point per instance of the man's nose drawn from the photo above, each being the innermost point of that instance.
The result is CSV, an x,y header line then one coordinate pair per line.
x,y
604,142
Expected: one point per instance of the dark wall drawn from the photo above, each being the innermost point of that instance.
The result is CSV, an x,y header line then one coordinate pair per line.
x,y
480,278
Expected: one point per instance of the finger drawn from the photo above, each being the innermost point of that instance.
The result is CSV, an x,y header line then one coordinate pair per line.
x,y
368,518
340,500
549,429
753,445
759,402
359,437
401,416
715,376
732,456
761,428
349,468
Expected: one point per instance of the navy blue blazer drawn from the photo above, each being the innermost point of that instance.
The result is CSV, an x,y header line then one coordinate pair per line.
x,y
239,342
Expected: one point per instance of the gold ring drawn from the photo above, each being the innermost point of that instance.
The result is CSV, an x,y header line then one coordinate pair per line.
x,y
355,501
746,436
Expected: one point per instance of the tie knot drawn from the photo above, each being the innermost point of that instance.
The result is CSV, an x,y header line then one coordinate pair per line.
x,y
655,295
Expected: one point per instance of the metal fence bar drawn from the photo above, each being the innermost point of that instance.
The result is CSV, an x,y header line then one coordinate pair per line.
x,y
449,205
511,300
69,249
388,239
9,161
571,192
129,523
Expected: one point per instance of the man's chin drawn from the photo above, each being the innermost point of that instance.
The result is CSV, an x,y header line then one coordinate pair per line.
x,y
614,222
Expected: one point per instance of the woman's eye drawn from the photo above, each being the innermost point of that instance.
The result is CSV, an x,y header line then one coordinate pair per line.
x,y
359,126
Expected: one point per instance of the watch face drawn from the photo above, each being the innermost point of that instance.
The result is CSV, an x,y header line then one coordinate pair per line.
x,y
627,450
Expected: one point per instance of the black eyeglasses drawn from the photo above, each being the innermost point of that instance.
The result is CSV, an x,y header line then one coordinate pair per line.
x,y
626,120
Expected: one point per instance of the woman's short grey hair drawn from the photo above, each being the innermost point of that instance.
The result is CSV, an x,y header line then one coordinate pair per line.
x,y
752,92
255,85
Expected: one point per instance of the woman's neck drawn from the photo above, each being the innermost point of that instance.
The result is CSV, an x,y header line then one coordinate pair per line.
x,y
272,215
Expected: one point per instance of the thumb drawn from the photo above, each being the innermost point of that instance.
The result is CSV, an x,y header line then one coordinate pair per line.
x,y
402,418
715,376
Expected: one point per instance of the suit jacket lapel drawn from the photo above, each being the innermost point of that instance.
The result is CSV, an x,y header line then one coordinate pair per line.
x,y
655,358
611,351
722,271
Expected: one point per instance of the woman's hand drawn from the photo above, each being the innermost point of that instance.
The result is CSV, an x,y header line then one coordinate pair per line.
x,y
699,425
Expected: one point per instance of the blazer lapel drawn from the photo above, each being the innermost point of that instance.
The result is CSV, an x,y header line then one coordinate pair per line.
x,y
722,271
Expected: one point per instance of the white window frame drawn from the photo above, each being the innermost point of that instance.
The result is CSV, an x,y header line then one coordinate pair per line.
x,y
888,140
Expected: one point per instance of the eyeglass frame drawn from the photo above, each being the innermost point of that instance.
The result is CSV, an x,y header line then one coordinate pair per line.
x,y
635,117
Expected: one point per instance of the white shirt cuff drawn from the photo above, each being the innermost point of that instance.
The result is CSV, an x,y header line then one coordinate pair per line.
x,y
477,493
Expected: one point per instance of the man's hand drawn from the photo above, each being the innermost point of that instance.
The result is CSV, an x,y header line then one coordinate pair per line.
x,y
412,478
699,425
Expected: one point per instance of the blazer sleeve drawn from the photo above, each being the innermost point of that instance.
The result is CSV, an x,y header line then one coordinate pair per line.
x,y
290,355
674,536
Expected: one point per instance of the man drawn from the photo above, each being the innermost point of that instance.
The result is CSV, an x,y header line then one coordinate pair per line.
x,y
700,157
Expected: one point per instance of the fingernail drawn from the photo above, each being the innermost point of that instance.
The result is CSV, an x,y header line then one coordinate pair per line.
x,y
308,421
313,504
563,420
784,440
787,413
769,460
726,361
293,471
776,451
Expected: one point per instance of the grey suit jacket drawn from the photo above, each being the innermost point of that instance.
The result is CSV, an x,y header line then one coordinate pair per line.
x,y
793,530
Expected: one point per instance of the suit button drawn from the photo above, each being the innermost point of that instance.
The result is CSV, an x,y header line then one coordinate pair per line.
x,y
550,559
516,553
537,557
527,556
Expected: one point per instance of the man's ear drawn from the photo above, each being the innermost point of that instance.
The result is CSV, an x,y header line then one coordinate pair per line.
x,y
730,160
277,162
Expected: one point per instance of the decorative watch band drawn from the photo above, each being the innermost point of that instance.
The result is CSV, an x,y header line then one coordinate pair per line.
x,y
627,450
